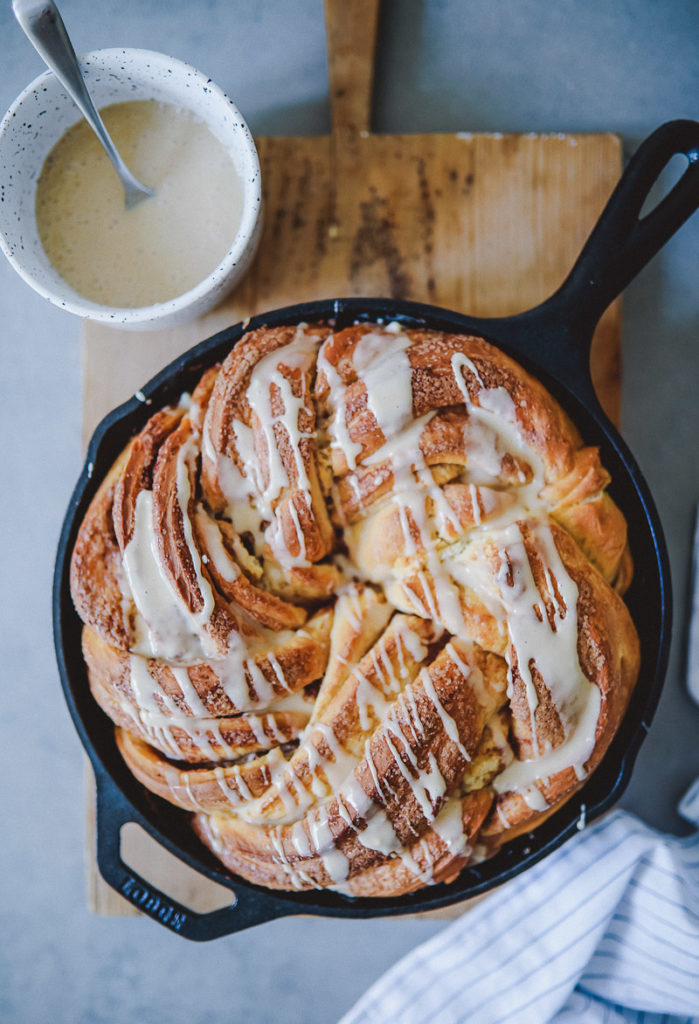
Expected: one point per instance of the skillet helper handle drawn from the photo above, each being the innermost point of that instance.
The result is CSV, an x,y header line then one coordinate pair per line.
x,y
248,907
621,244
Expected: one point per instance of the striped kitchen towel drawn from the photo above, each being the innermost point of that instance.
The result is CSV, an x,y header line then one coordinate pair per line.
x,y
603,931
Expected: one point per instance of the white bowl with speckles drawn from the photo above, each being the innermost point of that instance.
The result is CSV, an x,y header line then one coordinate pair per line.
x,y
41,115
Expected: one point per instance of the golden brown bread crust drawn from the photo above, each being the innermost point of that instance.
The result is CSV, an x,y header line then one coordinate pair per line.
x,y
356,606
95,565
297,662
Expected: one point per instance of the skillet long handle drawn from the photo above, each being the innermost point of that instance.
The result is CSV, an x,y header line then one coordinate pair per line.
x,y
621,244
248,908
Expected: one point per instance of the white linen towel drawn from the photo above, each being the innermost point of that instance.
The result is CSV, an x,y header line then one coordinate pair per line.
x,y
603,931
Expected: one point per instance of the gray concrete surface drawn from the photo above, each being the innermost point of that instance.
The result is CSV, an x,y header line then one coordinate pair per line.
x,y
620,65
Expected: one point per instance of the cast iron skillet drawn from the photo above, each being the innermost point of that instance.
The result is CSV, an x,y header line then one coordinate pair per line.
x,y
552,341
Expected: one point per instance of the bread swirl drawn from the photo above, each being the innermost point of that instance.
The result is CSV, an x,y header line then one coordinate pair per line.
x,y
355,605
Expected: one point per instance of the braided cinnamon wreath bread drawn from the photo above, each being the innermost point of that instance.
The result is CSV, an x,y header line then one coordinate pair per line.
x,y
355,605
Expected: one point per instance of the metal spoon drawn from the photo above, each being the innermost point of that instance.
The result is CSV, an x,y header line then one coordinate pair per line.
x,y
45,30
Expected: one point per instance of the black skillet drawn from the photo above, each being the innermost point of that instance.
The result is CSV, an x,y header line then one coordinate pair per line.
x,y
553,342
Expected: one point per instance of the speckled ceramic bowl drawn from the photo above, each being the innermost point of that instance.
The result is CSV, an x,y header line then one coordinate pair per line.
x,y
41,115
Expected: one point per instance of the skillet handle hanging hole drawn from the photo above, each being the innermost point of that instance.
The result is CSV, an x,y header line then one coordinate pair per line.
x,y
115,820
670,176
626,238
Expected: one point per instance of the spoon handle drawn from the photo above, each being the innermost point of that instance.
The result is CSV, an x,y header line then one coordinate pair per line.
x,y
43,26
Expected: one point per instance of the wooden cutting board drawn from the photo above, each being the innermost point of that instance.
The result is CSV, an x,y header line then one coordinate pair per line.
x,y
486,224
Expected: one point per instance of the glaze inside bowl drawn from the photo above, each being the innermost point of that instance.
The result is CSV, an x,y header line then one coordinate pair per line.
x,y
44,113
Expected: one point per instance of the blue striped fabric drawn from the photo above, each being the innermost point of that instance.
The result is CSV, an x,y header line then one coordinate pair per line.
x,y
603,931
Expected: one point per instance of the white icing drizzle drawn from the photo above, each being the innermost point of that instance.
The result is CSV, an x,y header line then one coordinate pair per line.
x,y
300,559
269,725
339,434
342,762
449,827
412,642
424,514
158,718
533,797
384,367
334,861
501,815
380,786
142,683
237,489
277,669
552,647
230,671
242,789
447,721
491,431
225,565
298,878
426,784
289,783
298,355
186,454
433,780
204,734
164,628
368,698
186,783
520,776
299,840
378,834
475,503
252,494
190,695
263,688
285,788
345,814
407,705
454,656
